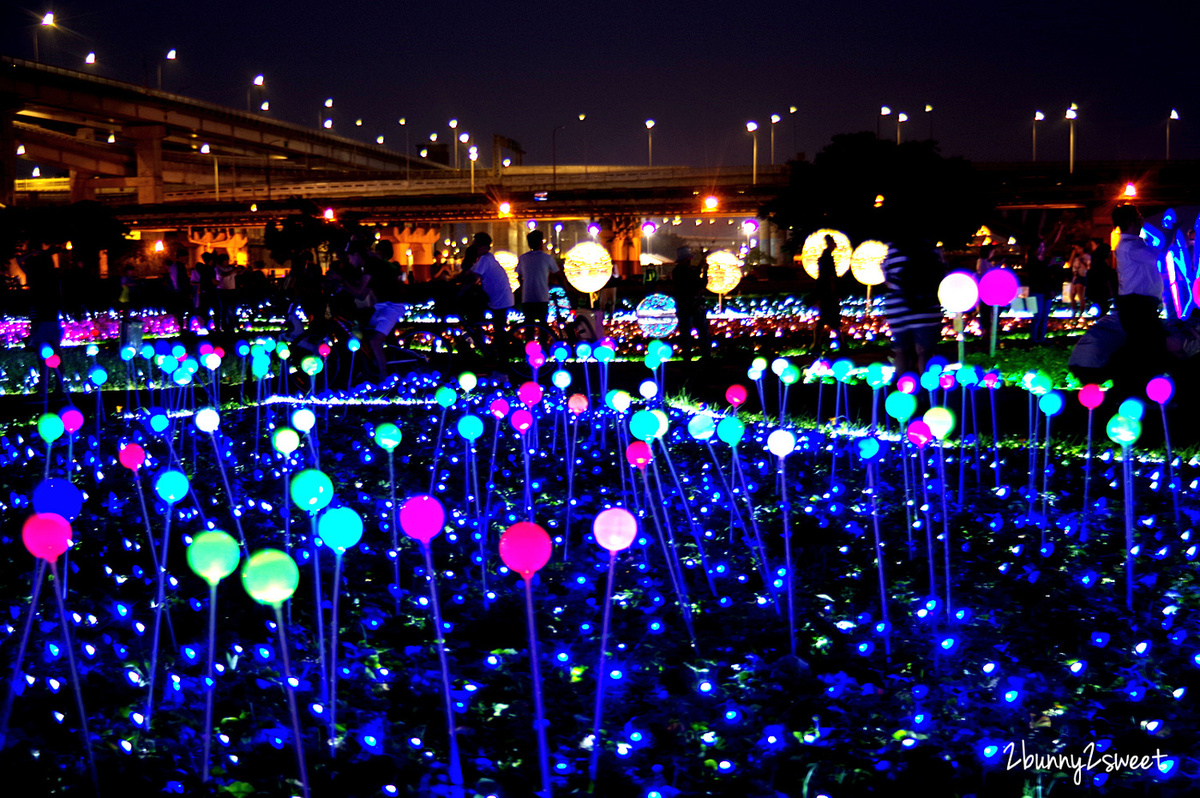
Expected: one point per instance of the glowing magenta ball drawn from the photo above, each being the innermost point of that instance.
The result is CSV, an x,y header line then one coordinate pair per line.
x,y
54,361
521,421
919,434
533,348
530,393
946,380
736,395
998,287
1159,389
46,536
422,518
615,529
991,380
907,383
498,408
132,456
1091,396
525,548
577,404
72,420
638,454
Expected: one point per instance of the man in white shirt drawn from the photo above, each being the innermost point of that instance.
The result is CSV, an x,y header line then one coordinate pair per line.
x,y
535,269
494,281
1139,293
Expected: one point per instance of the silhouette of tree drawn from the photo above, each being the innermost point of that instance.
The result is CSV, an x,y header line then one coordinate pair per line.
x,y
871,188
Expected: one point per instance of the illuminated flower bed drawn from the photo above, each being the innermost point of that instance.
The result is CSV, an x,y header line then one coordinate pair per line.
x,y
1038,648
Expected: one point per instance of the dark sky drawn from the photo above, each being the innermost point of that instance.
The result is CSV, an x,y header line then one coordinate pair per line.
x,y
700,69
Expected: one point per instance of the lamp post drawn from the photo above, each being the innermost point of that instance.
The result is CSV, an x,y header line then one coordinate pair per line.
x,y
473,155
774,121
463,138
929,114
206,150
47,22
1071,114
1038,116
649,142
554,157
883,111
170,57
323,120
90,60
795,134
453,124
407,150
752,129
900,118
1173,116
586,153
257,83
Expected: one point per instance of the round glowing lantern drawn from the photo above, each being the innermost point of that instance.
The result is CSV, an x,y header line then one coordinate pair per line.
x,y
311,490
1051,403
470,427
46,536
1160,390
724,272
58,496
638,454
1124,430
304,419
999,287
498,408
730,430
643,425
615,529
132,456
657,316
171,486
919,434
958,292
340,528
701,428
521,421
940,422
270,576
50,427
508,262
1091,396
530,393
72,420
422,518
207,420
781,443
525,548
736,395
213,555
866,262
900,406
285,440
588,267
577,404
814,246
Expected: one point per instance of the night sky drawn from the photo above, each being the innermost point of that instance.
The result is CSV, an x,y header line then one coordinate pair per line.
x,y
699,69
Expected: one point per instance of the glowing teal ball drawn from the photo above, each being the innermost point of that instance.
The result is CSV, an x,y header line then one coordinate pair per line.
x,y
340,528
311,490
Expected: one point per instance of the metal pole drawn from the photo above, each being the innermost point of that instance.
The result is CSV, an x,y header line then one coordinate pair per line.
x,y
772,144
1168,139
649,146
1071,166
1035,142
754,167
216,179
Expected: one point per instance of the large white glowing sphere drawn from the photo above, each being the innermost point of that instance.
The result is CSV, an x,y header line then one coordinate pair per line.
x,y
814,245
724,272
508,262
866,264
958,292
588,267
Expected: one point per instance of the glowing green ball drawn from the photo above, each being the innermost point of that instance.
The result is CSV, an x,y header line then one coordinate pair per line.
x,y
285,440
50,427
940,421
213,555
900,406
790,375
270,576
387,436
1124,430
311,490
312,365
445,396
731,430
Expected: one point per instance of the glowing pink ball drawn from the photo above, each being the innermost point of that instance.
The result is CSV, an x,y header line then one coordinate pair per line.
x,y
536,360
919,433
638,454
991,380
46,536
498,408
422,518
525,548
530,393
533,348
132,456
205,348
999,287
323,350
72,420
1091,396
946,381
1159,389
53,362
521,421
907,383
615,529
220,352
736,395
577,404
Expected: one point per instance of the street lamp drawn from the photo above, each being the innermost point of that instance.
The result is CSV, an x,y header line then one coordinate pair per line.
x,y
883,111
323,120
752,129
453,123
899,119
90,59
407,149
929,112
1174,116
1071,114
257,83
47,22
1038,116
774,121
473,154
170,57
795,136
649,142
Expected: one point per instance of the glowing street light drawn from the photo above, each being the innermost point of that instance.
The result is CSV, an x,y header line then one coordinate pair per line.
x,y
90,59
1071,114
473,155
649,142
929,113
329,103
48,20
265,105
1038,116
752,129
775,119
795,134
1130,192
711,203
258,80
1173,116
883,111
379,139
900,119
407,148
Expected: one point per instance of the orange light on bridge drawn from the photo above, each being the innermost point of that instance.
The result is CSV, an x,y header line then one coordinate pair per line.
x,y
504,210
158,245
1130,191
329,214
711,203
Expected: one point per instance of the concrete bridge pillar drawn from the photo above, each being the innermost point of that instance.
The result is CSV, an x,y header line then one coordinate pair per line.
x,y
148,150
8,153
622,237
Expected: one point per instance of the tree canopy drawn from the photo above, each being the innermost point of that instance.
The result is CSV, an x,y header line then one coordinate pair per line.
x,y
871,188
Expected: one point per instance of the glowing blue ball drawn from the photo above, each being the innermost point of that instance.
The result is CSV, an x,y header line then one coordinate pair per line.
x,y
470,427
701,428
159,420
340,528
1132,408
171,485
1051,403
868,448
58,496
